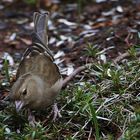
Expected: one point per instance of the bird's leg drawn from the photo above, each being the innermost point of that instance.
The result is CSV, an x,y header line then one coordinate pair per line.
x,y
56,112
31,118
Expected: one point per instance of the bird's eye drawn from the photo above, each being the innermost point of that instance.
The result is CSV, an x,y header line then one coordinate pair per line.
x,y
24,92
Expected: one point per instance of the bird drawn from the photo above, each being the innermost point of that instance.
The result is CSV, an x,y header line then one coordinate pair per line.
x,y
38,79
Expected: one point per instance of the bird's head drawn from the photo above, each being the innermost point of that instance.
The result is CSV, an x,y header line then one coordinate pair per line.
x,y
26,91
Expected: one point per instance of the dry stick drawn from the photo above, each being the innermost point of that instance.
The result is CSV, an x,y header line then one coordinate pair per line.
x,y
76,71
124,55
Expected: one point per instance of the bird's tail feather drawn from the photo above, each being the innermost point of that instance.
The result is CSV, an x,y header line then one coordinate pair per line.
x,y
40,27
39,36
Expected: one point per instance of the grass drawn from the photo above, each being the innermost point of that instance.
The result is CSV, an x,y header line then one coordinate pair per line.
x,y
133,130
91,51
6,69
104,106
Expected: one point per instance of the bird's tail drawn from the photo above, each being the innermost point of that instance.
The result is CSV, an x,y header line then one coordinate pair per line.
x,y
40,27
39,35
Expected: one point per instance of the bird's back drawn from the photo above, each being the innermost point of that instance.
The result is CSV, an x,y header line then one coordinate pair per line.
x,y
38,58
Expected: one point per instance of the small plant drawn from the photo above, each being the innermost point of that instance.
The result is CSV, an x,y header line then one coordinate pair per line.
x,y
94,121
132,51
133,131
39,132
91,50
116,78
6,69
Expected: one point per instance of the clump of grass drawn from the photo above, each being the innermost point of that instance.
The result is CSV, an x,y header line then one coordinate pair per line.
x,y
91,50
133,131
15,126
101,107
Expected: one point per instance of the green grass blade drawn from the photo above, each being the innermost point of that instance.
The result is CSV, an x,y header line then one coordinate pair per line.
x,y
94,120
6,69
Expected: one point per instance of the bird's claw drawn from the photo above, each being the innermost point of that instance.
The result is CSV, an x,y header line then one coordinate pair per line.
x,y
56,112
31,119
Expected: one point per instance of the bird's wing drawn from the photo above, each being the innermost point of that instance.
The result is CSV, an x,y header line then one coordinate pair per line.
x,y
38,58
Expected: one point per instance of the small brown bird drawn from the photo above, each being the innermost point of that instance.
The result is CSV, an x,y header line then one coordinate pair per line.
x,y
38,78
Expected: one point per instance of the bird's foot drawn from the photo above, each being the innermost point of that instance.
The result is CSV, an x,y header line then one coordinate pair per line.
x,y
56,112
31,119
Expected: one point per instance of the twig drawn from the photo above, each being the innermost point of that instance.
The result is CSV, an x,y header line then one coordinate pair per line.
x,y
76,71
123,56
90,132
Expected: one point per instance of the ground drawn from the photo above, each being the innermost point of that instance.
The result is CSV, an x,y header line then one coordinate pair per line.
x,y
102,100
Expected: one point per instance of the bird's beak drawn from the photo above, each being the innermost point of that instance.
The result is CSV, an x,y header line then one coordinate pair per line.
x,y
19,104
